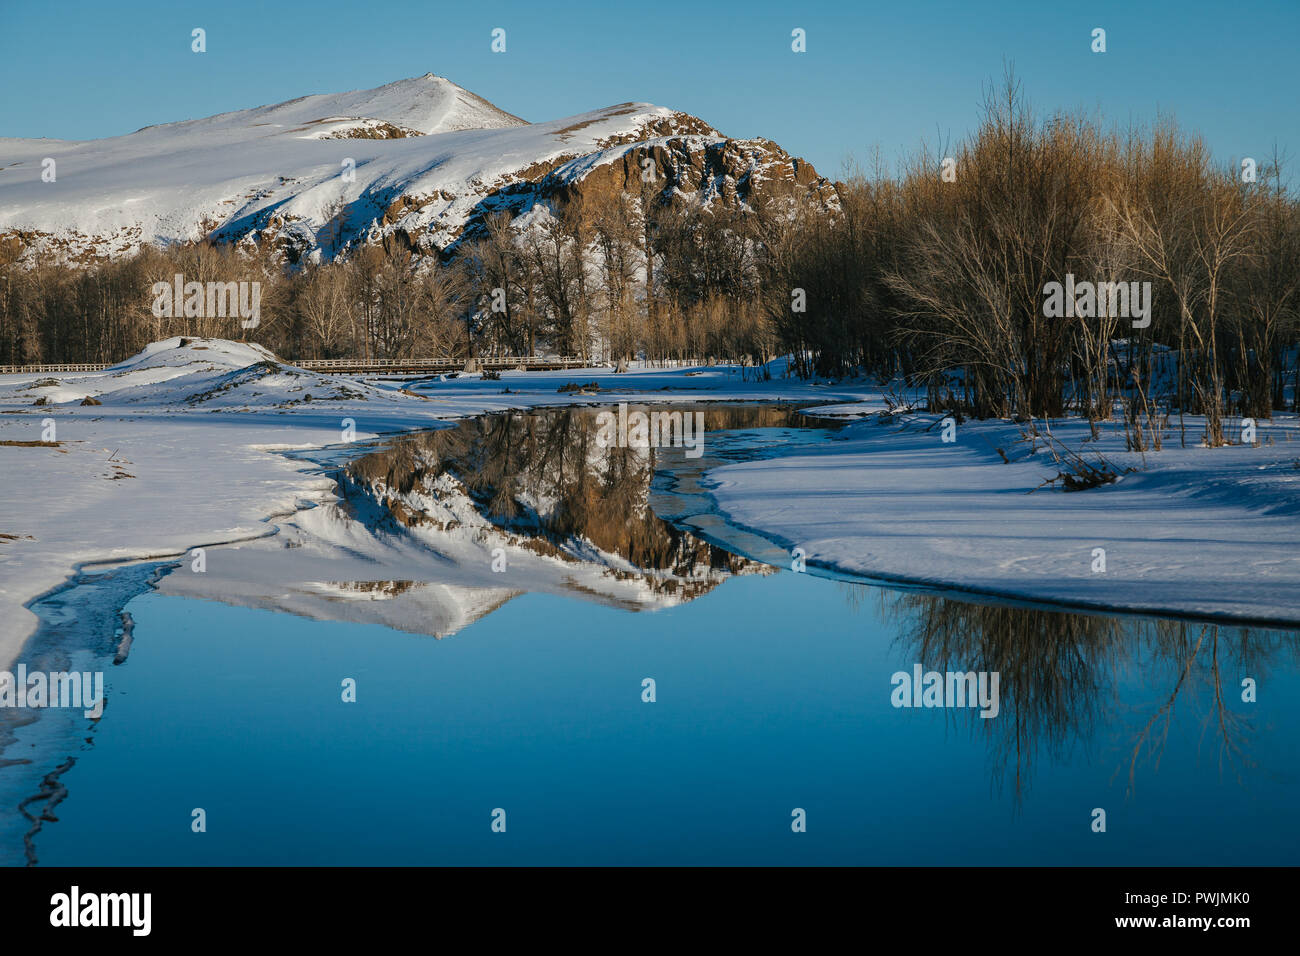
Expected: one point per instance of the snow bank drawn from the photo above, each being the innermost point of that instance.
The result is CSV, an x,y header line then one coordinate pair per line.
x,y
182,451
1199,531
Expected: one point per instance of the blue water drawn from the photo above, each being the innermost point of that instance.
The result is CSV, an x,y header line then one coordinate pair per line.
x,y
773,693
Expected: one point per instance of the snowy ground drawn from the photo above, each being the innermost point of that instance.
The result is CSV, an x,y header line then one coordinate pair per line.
x,y
1194,530
182,453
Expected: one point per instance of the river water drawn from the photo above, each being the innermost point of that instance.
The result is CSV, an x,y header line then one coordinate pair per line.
x,y
498,597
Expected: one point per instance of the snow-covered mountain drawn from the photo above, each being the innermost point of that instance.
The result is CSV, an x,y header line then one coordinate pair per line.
x,y
411,165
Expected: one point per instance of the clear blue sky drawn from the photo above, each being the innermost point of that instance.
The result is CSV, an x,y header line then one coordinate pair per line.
x,y
875,73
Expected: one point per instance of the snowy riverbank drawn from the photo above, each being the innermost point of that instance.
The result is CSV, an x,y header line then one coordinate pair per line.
x,y
1192,530
182,453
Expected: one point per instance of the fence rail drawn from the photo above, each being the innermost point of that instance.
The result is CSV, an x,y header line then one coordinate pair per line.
x,y
37,369
353,367
489,363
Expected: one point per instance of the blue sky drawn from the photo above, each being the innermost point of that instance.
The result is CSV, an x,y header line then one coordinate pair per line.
x,y
877,74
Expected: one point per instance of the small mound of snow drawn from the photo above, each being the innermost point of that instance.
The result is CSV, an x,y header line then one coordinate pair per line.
x,y
202,373
178,351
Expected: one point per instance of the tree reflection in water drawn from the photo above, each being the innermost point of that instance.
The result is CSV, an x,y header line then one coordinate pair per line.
x,y
1062,675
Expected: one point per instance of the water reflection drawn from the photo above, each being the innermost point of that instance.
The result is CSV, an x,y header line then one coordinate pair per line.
x,y
542,481
433,513
1061,676
435,529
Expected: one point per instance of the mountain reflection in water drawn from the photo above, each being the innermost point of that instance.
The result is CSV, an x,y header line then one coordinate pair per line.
x,y
520,522
573,518
435,529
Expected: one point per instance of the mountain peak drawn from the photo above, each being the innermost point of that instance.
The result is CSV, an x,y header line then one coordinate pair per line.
x,y
423,105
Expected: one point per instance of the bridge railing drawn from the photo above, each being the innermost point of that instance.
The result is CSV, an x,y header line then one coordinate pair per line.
x,y
441,364
352,365
38,369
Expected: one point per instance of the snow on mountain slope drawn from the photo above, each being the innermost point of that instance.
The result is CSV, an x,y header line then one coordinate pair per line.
x,y
424,105
410,163
419,106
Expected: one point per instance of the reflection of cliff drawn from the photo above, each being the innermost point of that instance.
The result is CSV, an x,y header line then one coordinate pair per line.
x,y
541,482
438,529
1059,676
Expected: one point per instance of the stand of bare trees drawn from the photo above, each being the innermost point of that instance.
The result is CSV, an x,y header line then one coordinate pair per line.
x,y
944,278
609,278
